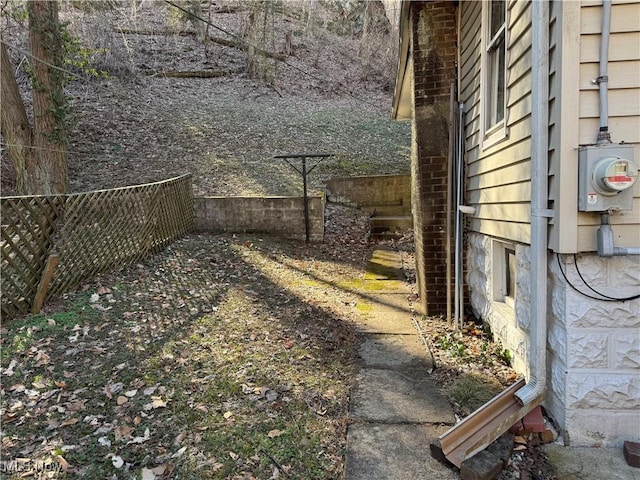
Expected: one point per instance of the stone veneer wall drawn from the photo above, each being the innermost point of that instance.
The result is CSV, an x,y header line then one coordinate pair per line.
x,y
509,326
593,350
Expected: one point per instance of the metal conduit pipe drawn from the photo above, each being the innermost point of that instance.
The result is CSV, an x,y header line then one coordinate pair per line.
x,y
604,137
537,381
458,293
605,239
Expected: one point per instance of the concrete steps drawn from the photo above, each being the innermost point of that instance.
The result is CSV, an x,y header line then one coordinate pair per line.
x,y
385,210
389,226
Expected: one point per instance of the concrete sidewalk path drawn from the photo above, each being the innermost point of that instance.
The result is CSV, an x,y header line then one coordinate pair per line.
x,y
395,409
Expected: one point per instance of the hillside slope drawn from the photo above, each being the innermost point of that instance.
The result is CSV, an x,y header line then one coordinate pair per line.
x,y
331,93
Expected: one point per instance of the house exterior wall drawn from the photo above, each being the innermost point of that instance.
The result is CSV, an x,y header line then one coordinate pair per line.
x,y
624,103
507,327
498,176
433,51
594,358
593,345
593,352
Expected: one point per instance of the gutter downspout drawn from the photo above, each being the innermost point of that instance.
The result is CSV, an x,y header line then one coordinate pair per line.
x,y
535,388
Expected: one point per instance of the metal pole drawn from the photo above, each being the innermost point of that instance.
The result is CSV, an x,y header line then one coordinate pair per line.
x,y
305,199
304,172
459,269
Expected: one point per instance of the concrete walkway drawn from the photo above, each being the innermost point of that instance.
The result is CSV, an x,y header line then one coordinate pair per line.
x,y
396,409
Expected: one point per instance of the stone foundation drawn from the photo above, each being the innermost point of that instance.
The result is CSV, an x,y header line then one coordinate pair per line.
x,y
593,349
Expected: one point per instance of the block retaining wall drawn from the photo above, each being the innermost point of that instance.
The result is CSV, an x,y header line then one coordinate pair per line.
x,y
279,216
371,191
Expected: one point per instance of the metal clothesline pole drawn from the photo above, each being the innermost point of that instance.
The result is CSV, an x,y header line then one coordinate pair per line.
x,y
304,172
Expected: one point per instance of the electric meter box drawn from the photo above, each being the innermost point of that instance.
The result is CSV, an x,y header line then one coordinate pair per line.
x,y
607,175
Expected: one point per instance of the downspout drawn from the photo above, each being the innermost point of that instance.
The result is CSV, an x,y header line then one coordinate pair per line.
x,y
535,388
604,137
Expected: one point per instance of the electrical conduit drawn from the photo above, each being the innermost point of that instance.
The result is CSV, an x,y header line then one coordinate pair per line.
x,y
605,238
604,137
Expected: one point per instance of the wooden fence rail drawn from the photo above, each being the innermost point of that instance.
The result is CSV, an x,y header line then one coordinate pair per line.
x,y
87,233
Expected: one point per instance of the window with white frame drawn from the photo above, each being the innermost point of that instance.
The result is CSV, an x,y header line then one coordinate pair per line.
x,y
494,68
504,273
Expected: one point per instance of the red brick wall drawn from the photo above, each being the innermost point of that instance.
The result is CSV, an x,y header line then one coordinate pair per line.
x,y
433,42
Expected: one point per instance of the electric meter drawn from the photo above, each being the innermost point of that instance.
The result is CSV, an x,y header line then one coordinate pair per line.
x,y
612,175
607,174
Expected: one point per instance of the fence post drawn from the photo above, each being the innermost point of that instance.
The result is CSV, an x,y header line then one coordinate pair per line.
x,y
45,281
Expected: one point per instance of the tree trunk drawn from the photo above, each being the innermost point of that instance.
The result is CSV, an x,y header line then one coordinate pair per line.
x,y
49,173
252,58
14,123
197,21
261,38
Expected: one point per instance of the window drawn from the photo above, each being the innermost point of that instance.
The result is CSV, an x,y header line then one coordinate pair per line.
x,y
504,273
509,286
494,67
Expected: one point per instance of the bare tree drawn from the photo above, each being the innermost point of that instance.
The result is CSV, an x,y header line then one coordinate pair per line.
x,y
38,152
261,39
197,20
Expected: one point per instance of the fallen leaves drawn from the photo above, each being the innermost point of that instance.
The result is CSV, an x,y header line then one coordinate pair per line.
x,y
164,395
156,402
141,439
153,473
117,461
9,370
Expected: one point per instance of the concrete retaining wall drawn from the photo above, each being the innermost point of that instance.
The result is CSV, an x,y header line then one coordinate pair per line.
x,y
279,216
372,191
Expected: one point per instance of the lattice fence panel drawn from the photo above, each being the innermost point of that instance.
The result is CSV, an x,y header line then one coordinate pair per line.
x,y
175,211
26,239
90,232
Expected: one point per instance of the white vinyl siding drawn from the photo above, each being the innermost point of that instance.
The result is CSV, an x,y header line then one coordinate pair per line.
x,y
498,176
624,103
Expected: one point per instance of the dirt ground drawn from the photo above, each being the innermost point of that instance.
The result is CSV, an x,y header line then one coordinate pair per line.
x,y
136,125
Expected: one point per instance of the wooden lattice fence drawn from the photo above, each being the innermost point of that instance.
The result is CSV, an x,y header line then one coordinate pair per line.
x,y
88,233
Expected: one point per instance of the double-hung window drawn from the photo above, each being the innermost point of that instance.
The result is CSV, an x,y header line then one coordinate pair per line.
x,y
494,67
